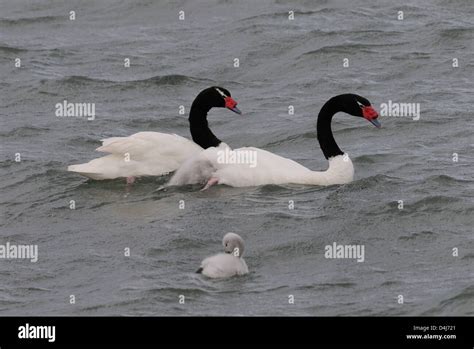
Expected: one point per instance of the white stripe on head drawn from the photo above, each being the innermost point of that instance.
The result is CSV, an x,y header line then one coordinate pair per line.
x,y
221,93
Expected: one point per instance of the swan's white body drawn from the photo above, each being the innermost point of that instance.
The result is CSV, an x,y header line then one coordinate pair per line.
x,y
270,169
263,167
223,265
141,154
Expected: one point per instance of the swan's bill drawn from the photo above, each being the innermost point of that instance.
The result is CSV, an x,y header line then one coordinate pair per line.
x,y
376,123
369,113
231,104
236,110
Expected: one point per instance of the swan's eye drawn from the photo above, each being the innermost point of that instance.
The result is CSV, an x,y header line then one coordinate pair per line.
x,y
360,104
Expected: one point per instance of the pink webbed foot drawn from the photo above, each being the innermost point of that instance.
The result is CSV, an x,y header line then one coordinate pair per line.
x,y
212,181
130,180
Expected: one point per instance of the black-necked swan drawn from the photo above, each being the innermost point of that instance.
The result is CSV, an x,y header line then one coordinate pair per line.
x,y
226,264
270,168
155,153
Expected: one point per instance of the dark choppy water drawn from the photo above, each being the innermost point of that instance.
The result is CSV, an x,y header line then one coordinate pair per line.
x,y
282,62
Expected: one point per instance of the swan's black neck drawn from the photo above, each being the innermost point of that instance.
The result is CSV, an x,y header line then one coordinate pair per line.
x,y
199,127
325,137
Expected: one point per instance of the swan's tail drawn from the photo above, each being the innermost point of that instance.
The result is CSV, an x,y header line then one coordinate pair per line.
x,y
87,170
113,166
106,167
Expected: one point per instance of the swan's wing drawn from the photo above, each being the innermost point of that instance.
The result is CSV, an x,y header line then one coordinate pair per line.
x,y
143,144
222,265
212,267
141,154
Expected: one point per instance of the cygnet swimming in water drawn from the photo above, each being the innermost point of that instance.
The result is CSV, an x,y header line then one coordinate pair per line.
x,y
226,264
